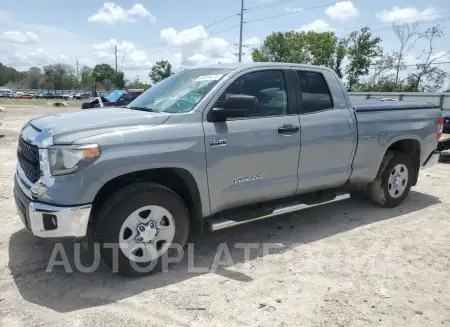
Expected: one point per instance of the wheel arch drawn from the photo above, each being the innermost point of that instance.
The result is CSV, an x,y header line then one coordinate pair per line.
x,y
412,148
178,180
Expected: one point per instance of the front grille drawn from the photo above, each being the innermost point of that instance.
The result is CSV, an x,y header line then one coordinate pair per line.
x,y
28,156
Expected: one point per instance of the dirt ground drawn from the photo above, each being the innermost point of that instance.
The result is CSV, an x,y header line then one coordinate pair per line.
x,y
345,264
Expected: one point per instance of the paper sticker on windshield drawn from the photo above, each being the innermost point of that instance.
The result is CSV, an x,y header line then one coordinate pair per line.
x,y
209,78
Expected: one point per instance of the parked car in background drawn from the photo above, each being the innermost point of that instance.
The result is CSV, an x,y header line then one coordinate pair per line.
x,y
116,98
82,96
44,95
446,128
68,96
24,96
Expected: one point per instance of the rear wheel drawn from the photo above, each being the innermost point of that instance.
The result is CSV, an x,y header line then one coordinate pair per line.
x,y
393,181
138,225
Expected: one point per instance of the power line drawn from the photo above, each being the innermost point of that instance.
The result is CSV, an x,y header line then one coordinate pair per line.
x,y
221,20
398,20
419,23
268,5
291,13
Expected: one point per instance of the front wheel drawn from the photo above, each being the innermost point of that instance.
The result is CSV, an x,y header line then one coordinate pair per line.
x,y
138,225
393,181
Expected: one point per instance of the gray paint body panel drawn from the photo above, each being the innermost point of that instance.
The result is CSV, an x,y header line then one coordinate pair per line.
x,y
394,125
332,147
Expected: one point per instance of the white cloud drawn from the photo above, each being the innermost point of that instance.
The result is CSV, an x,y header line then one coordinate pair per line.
x,y
172,37
41,56
407,14
317,25
290,9
19,37
138,10
112,13
132,58
196,47
38,57
253,42
342,11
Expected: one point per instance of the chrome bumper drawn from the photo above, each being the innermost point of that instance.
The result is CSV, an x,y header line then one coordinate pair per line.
x,y
49,221
432,160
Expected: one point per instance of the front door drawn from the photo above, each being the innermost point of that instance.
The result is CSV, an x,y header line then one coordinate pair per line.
x,y
254,159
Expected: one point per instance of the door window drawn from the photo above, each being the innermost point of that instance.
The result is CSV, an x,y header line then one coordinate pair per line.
x,y
315,93
128,97
269,87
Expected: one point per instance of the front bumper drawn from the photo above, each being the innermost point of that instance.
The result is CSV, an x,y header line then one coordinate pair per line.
x,y
49,221
432,160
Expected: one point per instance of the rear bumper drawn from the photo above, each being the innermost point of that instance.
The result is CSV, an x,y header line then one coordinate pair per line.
x,y
444,145
432,160
49,221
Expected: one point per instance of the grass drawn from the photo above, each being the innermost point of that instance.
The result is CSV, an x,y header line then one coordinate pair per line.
x,y
38,102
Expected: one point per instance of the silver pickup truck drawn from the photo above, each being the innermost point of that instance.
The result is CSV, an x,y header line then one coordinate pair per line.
x,y
216,146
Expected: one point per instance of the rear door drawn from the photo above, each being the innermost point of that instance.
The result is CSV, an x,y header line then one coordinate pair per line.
x,y
328,131
254,159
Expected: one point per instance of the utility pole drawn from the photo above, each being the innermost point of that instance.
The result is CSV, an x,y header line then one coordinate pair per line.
x,y
240,32
242,46
115,54
77,69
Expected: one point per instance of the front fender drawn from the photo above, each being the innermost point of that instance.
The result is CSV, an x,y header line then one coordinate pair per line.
x,y
153,147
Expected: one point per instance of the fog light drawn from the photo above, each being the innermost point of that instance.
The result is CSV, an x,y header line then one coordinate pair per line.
x,y
50,221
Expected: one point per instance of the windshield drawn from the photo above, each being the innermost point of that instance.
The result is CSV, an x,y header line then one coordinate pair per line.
x,y
179,92
114,95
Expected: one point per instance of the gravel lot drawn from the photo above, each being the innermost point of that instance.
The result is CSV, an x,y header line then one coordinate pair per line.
x,y
345,264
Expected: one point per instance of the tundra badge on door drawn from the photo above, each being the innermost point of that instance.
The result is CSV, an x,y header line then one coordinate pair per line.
x,y
221,142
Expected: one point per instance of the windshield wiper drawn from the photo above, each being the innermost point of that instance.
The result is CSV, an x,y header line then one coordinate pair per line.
x,y
140,108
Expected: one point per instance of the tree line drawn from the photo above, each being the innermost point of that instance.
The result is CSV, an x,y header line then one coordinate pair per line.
x,y
367,68
64,77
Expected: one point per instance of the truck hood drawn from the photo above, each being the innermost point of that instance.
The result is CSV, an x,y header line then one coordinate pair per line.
x,y
68,127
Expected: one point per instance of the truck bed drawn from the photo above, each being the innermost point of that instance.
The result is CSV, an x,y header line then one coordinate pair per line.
x,y
381,123
382,105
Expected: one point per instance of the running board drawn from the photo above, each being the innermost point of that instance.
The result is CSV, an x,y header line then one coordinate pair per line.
x,y
231,220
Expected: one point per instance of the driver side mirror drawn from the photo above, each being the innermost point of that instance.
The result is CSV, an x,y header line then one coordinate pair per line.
x,y
235,106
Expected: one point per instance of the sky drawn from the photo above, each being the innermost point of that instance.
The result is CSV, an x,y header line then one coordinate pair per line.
x,y
191,33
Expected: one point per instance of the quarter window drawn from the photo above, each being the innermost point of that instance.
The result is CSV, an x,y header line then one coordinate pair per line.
x,y
315,93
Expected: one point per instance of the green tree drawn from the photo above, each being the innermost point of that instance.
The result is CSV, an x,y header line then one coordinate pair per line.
x,y
341,52
103,72
119,80
87,78
363,49
427,77
313,48
58,77
9,74
282,47
161,70
33,78
137,84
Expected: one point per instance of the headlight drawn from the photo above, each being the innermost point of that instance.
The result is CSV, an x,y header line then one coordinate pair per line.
x,y
68,159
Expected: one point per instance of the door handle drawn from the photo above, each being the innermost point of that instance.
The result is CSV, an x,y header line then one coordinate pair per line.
x,y
288,128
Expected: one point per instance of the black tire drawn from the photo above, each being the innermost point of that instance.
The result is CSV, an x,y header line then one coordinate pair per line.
x,y
378,190
119,206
